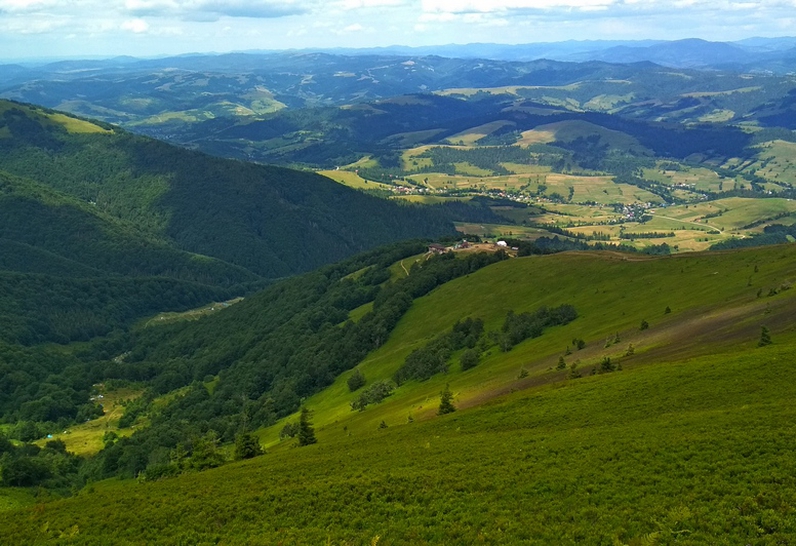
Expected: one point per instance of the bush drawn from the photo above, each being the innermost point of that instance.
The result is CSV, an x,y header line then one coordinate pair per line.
x,y
469,359
374,394
247,446
356,381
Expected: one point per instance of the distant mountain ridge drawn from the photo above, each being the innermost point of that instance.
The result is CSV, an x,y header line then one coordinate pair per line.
x,y
751,53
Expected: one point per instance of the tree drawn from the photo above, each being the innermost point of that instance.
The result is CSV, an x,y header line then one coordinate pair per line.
x,y
288,431
765,337
24,472
561,363
356,381
644,325
247,446
667,310
306,434
446,402
469,359
205,452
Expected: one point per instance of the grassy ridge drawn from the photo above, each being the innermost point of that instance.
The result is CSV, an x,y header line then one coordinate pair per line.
x,y
712,297
682,452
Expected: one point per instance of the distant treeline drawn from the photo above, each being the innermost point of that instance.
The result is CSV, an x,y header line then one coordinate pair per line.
x,y
772,235
646,235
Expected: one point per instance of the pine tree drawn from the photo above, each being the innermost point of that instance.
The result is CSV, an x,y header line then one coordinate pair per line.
x,y
765,337
446,402
306,434
247,446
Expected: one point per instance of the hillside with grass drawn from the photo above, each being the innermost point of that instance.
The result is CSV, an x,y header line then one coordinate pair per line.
x,y
100,229
654,412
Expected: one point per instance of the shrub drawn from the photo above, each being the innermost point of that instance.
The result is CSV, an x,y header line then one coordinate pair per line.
x,y
469,359
356,381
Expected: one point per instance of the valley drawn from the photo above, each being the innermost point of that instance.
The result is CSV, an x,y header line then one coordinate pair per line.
x,y
399,297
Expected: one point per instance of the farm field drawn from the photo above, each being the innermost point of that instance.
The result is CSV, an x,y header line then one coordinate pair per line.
x,y
497,230
776,161
353,180
731,214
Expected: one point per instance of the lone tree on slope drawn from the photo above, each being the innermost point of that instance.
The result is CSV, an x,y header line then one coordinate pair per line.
x,y
306,434
356,381
446,402
765,337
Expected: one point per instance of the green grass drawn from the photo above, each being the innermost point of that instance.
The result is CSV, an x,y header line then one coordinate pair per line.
x,y
471,136
12,498
77,126
85,439
696,451
353,180
611,292
736,212
570,130
691,442
776,161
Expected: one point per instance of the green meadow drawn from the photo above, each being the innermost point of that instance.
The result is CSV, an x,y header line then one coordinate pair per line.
x,y
687,440
612,293
694,451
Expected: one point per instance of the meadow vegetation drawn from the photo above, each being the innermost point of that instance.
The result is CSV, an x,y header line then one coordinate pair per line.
x,y
685,451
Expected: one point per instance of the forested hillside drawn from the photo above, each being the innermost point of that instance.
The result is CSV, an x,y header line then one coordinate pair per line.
x,y
100,229
273,222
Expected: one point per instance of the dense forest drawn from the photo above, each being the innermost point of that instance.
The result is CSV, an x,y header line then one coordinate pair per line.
x,y
272,221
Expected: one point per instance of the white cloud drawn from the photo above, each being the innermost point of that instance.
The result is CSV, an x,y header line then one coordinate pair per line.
x,y
212,10
137,26
223,25
489,6
360,4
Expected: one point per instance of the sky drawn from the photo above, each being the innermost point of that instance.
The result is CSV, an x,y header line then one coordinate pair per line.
x,y
104,28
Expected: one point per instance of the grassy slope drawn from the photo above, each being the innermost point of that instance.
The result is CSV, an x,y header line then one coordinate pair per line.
x,y
713,298
685,452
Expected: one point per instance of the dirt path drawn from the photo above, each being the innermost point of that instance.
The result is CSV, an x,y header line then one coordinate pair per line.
x,y
404,268
693,223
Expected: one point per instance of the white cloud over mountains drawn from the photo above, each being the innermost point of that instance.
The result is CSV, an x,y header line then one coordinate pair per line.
x,y
75,27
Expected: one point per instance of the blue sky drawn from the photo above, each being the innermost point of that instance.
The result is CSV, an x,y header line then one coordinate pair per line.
x,y
60,28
